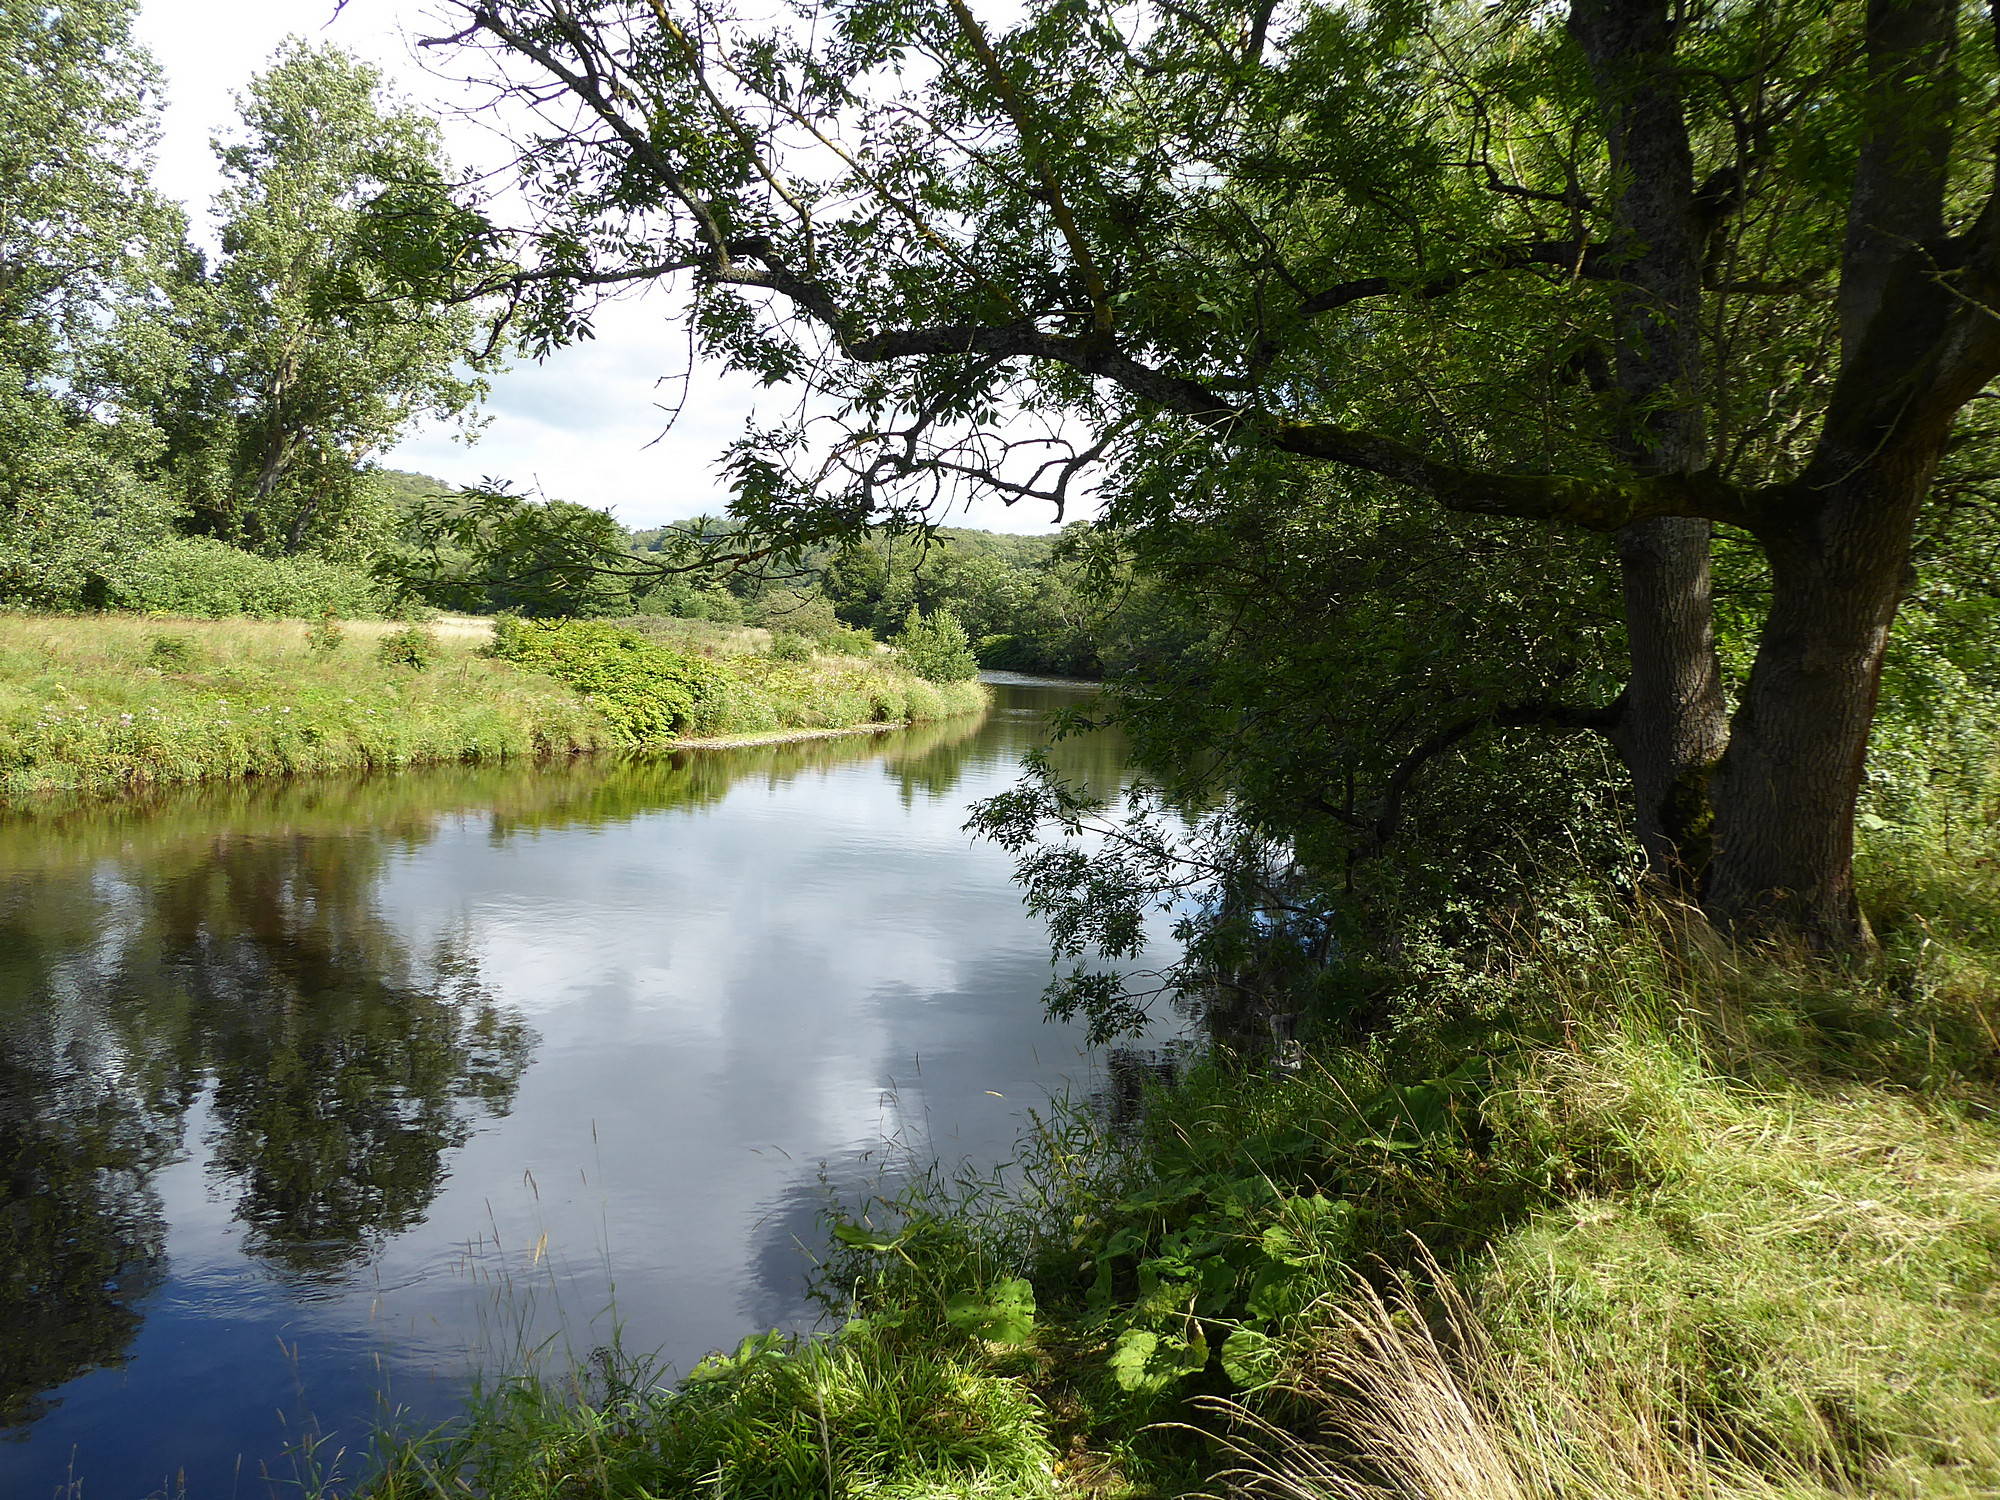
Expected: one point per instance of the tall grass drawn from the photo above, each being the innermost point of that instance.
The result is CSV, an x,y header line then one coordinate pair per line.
x,y
1755,1249
819,683
114,703
778,1420
763,694
103,703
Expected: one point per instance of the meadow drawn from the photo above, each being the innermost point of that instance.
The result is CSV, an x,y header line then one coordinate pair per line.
x,y
102,704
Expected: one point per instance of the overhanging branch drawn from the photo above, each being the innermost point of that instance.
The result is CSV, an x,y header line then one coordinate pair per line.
x,y
1597,504
1377,831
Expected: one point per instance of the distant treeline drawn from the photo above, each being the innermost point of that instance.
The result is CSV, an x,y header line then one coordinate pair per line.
x,y
1066,603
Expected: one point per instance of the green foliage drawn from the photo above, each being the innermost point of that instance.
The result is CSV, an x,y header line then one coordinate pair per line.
x,y
80,712
203,578
647,691
81,350
109,702
317,340
488,549
325,636
936,648
172,653
781,1420
1622,1172
75,521
1003,1313
788,647
414,646
1060,598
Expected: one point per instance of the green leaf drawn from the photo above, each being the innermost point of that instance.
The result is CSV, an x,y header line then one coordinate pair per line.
x,y
1132,1361
1003,1314
1147,1362
1249,1358
757,1350
861,1237
1275,1294
1282,1245
1169,1194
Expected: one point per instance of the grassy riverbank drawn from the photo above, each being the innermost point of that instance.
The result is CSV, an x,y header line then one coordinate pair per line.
x,y
1600,1216
107,704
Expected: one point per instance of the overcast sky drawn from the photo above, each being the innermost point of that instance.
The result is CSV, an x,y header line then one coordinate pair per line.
x,y
585,425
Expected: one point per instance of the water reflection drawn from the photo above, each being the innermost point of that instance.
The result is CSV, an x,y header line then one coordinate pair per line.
x,y
255,974
81,1233
292,1075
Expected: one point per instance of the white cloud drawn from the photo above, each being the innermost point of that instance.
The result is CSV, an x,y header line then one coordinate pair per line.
x,y
588,424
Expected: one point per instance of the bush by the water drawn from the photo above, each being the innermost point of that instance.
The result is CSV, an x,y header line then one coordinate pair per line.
x,y
657,680
936,648
773,1419
648,691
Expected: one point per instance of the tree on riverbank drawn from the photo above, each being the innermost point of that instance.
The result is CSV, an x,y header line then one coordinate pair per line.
x,y
1631,272
306,354
82,239
146,393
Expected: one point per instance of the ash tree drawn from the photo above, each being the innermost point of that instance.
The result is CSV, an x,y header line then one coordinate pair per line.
x,y
1654,273
309,349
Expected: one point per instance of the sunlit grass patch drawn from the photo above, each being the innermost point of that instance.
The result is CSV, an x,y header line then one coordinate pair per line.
x,y
107,702
778,1420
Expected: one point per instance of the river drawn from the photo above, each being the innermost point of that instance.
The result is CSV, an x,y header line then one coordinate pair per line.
x,y
316,1097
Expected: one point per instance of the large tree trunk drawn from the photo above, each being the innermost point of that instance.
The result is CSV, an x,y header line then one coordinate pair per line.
x,y
1914,350
1672,727
1786,790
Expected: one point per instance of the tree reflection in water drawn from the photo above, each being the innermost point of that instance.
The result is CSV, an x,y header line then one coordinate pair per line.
x,y
223,956
227,946
342,1069
80,1230
193,958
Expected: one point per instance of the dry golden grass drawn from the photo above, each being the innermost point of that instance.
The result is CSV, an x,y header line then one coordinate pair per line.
x,y
1414,1402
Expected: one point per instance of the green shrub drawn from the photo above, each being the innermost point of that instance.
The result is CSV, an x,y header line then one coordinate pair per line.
x,y
325,636
414,646
649,692
172,653
845,642
788,647
777,1419
937,648
206,579
736,707
1003,652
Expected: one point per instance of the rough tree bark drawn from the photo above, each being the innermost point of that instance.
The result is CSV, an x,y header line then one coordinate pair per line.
x,y
1767,841
1787,787
1918,340
1671,730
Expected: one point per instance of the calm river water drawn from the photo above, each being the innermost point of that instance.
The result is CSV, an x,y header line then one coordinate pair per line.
x,y
313,1092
